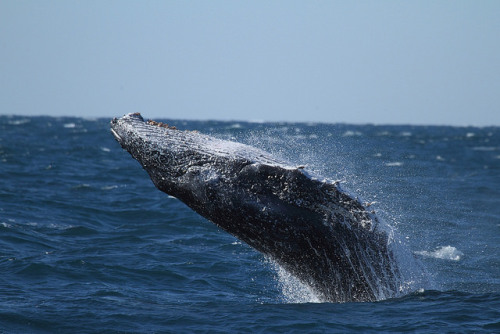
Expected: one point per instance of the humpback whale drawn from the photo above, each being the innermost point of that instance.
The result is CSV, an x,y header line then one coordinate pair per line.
x,y
312,228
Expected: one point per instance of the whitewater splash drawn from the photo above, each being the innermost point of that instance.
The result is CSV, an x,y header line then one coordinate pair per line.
x,y
444,253
413,276
293,291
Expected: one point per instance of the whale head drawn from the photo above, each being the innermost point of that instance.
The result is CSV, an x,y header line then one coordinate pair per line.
x,y
186,164
168,155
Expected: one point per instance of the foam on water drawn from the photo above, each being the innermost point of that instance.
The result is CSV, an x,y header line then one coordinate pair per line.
x,y
444,253
394,164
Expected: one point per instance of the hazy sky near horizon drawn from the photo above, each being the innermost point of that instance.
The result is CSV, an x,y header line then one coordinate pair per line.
x,y
382,62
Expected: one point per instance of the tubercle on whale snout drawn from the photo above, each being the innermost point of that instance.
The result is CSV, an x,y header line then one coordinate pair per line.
x,y
161,125
150,122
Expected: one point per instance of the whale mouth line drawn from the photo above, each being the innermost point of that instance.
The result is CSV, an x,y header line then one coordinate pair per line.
x,y
117,136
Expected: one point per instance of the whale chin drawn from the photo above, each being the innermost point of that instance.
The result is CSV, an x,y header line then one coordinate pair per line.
x,y
313,229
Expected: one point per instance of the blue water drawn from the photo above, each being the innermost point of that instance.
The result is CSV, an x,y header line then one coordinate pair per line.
x,y
89,245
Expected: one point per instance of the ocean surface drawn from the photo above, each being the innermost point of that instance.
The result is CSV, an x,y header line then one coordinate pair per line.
x,y
89,245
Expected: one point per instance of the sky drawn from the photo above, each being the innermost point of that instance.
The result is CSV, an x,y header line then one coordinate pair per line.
x,y
381,62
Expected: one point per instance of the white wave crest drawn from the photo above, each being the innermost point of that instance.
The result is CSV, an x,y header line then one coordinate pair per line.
x,y
444,253
394,164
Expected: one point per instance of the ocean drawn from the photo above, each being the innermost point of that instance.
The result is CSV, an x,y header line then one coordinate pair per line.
x,y
89,245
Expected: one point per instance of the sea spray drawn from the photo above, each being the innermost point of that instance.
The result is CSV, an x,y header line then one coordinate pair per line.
x,y
290,145
293,291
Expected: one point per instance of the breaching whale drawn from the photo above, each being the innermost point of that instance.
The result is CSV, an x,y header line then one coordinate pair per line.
x,y
313,229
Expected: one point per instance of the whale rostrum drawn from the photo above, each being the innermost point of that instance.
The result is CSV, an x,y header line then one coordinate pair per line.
x,y
313,229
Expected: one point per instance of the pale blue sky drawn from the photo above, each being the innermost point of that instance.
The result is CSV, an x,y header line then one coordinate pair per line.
x,y
397,62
